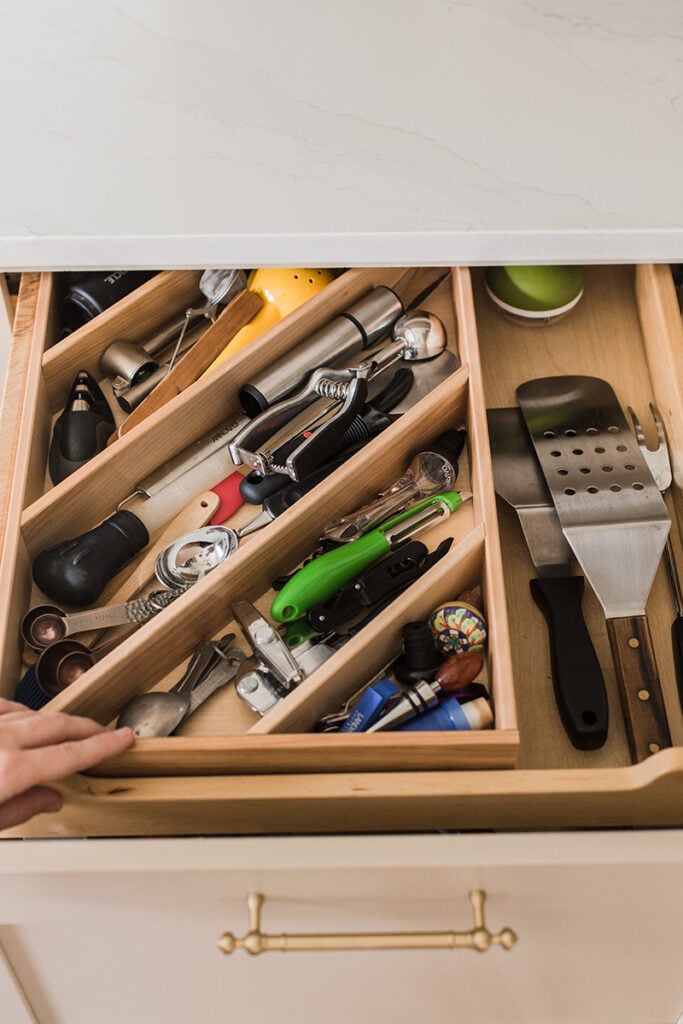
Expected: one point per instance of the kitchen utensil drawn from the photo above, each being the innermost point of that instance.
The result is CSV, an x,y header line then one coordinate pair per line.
x,y
366,322
267,644
82,430
229,669
323,576
577,677
616,523
364,325
131,364
131,397
217,286
659,461
282,290
203,448
45,624
296,434
189,558
75,571
378,586
57,666
372,420
160,712
236,314
90,294
65,661
194,515
425,694
432,470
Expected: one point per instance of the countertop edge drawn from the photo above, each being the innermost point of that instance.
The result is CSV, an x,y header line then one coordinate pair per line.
x,y
480,248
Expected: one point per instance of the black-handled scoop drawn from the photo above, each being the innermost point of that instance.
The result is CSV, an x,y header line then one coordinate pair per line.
x,y
76,571
578,683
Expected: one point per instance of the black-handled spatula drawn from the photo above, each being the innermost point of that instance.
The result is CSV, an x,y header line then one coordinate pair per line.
x,y
616,523
577,677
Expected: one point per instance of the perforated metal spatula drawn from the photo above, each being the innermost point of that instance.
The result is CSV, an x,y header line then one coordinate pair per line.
x,y
616,523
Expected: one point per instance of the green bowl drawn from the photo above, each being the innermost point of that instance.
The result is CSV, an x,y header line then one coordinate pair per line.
x,y
534,295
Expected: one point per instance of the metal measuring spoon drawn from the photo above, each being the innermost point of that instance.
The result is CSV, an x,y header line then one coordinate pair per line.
x,y
65,661
47,624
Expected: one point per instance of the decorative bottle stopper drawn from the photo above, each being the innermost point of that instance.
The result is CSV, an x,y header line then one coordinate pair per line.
x,y
458,627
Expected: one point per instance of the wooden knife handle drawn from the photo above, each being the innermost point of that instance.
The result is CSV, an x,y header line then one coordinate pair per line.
x,y
647,729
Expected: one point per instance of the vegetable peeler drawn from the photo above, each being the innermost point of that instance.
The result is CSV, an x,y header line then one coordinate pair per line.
x,y
320,579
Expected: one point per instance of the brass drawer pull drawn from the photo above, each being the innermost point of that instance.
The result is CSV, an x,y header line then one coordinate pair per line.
x,y
256,941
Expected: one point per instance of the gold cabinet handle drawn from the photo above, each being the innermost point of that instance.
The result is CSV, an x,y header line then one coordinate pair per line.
x,y
256,941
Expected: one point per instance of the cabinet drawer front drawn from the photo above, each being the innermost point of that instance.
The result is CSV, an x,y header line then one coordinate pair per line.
x,y
599,924
626,329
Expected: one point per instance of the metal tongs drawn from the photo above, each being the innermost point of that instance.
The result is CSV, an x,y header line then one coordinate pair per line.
x,y
295,435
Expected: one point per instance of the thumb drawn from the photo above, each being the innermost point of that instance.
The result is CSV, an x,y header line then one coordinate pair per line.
x,y
38,800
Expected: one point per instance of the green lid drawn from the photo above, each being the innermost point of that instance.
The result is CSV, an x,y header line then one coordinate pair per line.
x,y
535,290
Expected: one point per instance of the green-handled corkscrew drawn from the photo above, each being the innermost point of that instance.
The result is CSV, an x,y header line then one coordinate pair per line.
x,y
321,578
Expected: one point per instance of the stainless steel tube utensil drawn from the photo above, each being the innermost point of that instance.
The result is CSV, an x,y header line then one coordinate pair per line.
x,y
616,523
365,323
295,435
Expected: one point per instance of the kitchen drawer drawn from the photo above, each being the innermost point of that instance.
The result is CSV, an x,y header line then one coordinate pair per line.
x,y
113,930
278,777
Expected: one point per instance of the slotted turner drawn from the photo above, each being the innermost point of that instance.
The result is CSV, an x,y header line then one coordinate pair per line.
x,y
616,523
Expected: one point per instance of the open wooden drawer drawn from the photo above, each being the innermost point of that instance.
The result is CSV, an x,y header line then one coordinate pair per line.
x,y
280,777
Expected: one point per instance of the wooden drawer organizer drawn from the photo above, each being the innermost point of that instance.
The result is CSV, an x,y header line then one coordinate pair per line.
x,y
273,775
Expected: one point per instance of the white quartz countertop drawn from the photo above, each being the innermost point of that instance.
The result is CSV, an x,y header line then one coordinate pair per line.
x,y
151,133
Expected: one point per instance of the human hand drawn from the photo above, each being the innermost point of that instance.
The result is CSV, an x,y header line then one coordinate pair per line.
x,y
37,748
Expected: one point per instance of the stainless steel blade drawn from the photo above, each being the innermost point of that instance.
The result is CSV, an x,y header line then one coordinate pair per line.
x,y
427,376
519,481
609,506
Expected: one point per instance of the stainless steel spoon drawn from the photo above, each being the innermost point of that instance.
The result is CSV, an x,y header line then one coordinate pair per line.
x,y
159,713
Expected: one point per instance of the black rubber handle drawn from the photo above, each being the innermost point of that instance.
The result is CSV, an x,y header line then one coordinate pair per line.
x,y
76,571
577,677
677,644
